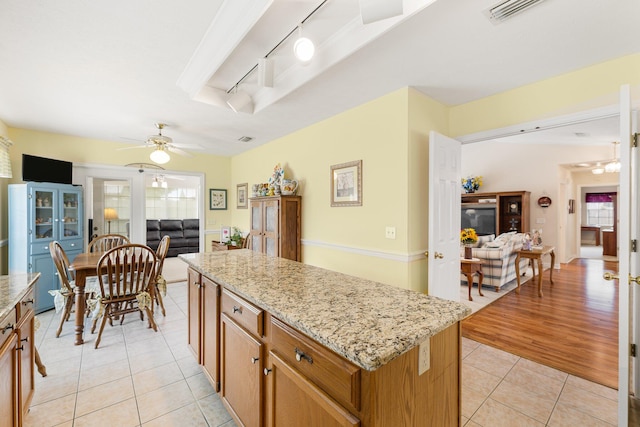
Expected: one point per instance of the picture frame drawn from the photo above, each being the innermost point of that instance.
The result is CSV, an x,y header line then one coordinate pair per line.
x,y
217,199
242,194
346,184
225,234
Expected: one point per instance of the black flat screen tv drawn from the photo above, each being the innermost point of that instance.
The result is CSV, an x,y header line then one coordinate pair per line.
x,y
479,216
42,169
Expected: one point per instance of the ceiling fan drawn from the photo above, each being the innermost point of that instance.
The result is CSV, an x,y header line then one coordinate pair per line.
x,y
161,145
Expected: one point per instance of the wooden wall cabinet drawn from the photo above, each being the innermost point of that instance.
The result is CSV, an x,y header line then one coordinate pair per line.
x,y
17,357
275,226
204,323
512,209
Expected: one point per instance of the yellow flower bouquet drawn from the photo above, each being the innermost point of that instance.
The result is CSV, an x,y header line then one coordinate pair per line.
x,y
468,236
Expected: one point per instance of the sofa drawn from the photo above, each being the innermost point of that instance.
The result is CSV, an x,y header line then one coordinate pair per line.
x,y
184,234
498,255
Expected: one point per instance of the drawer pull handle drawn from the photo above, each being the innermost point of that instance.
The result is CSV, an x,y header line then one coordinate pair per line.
x,y
20,348
237,309
266,371
7,328
25,339
29,301
254,360
301,355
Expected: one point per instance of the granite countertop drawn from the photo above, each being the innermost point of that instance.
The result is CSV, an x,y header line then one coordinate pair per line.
x,y
12,288
369,323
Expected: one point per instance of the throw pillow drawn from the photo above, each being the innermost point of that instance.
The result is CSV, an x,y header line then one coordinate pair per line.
x,y
494,244
484,239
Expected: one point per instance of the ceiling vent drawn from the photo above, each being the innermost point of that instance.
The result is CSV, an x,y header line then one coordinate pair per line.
x,y
245,139
506,9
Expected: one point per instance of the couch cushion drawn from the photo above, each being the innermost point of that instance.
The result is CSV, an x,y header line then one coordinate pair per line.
x,y
153,230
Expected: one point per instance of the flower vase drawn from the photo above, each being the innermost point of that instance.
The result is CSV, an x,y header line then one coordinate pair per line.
x,y
468,252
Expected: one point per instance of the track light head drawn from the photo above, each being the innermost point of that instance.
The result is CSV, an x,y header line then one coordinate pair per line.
x,y
303,48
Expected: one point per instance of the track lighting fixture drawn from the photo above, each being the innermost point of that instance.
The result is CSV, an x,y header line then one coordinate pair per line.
x,y
240,101
303,48
159,155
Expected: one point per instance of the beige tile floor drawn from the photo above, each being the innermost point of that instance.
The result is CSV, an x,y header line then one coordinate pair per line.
x,y
141,378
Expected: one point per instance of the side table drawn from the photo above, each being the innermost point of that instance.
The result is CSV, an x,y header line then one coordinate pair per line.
x,y
536,254
469,267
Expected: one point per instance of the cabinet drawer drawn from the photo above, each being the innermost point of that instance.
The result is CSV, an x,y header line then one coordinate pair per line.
x,y
26,304
7,326
335,375
39,248
243,312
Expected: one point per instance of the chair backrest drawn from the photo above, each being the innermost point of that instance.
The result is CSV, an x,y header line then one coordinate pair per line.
x,y
161,252
126,270
61,261
105,242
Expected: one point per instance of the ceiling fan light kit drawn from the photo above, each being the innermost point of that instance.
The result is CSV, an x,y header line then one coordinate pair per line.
x,y
159,156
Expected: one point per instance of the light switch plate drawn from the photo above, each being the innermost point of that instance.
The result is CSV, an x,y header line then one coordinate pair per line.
x,y
424,356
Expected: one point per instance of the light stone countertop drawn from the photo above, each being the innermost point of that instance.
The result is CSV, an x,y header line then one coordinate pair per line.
x,y
12,288
368,323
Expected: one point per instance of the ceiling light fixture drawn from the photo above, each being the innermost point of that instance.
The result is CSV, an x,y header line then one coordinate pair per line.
x,y
240,101
303,48
159,155
303,44
614,165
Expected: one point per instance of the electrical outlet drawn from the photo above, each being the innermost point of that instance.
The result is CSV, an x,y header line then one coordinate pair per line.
x,y
424,356
390,232
540,220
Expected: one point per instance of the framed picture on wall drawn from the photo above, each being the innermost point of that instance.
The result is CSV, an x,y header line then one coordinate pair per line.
x,y
241,195
217,199
346,184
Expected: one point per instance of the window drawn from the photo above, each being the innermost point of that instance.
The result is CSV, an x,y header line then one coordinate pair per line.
x,y
600,209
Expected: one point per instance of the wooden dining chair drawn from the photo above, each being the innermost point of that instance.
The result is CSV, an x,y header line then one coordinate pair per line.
x,y
105,242
64,297
160,285
128,271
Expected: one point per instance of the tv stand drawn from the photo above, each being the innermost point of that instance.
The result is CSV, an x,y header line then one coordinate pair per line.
x,y
512,209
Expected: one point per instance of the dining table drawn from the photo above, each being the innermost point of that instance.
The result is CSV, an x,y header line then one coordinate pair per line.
x,y
83,265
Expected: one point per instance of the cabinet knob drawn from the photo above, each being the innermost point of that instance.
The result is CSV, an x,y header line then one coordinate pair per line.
x,y
254,360
237,309
73,244
301,355
7,328
267,371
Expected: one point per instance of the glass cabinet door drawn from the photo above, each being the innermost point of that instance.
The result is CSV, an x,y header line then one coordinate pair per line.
x,y
70,217
44,214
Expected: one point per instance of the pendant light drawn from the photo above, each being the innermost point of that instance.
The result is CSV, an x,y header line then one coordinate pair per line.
x,y
614,165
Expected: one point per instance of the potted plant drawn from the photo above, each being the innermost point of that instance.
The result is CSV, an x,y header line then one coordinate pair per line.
x,y
236,238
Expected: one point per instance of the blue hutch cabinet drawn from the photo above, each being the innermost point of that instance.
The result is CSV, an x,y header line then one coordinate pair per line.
x,y
40,213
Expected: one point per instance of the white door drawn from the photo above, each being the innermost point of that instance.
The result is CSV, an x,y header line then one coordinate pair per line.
x,y
628,261
444,217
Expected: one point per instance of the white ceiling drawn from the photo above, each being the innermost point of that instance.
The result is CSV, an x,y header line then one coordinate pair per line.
x,y
110,70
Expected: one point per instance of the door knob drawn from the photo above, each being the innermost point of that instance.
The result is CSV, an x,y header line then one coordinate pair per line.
x,y
437,255
610,276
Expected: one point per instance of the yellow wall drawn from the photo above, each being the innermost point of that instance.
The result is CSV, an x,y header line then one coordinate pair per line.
x,y
4,234
217,169
390,136
588,88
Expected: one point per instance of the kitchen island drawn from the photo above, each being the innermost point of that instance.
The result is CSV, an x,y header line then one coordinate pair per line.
x,y
288,343
17,351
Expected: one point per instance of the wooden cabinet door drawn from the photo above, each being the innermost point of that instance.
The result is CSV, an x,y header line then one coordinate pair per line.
x,y
241,373
293,400
195,324
210,330
8,392
26,359
271,229
255,233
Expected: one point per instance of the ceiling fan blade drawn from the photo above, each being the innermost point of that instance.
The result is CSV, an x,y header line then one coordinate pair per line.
x,y
173,149
133,147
